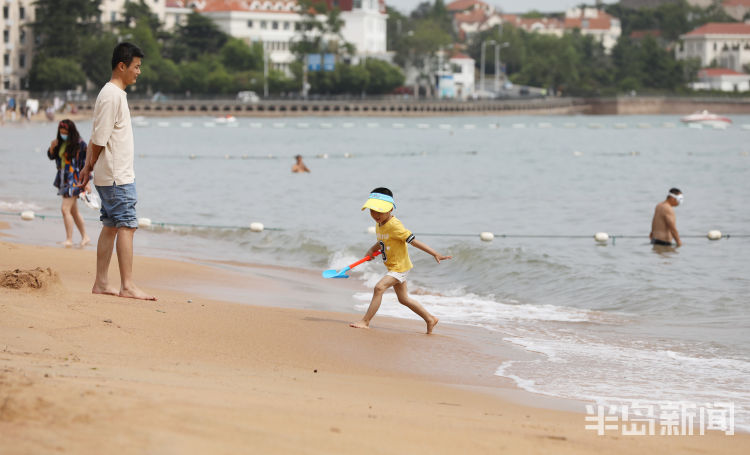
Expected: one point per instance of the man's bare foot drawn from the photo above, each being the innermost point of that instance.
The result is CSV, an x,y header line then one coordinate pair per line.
x,y
432,324
135,293
360,325
85,241
68,243
106,290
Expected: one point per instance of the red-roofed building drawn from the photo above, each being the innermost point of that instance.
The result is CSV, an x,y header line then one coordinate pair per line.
x,y
543,25
727,44
723,79
594,22
472,16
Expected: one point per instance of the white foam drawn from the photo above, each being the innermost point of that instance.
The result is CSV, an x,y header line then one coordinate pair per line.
x,y
618,374
459,307
18,206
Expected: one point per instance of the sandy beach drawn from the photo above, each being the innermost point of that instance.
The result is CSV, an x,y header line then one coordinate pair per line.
x,y
83,373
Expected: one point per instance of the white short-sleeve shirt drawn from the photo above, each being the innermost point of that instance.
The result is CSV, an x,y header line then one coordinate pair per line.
x,y
113,131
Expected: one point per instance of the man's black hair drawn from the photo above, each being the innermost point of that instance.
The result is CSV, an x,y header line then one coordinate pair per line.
x,y
674,191
382,190
125,53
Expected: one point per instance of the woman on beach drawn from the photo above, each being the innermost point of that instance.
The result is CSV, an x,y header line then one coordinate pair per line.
x,y
69,152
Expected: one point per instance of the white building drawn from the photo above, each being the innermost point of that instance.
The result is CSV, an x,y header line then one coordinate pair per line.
x,y
722,79
365,27
463,68
271,22
727,44
112,10
275,23
17,44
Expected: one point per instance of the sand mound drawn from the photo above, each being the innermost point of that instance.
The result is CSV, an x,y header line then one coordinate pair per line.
x,y
34,278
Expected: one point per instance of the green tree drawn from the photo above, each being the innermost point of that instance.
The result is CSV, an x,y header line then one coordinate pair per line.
x,y
55,73
197,37
61,26
96,57
238,56
383,77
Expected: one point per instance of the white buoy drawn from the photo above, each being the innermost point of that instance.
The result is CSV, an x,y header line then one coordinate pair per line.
x,y
577,153
209,124
323,156
398,125
544,125
371,229
279,125
186,124
192,156
256,227
601,237
256,125
518,126
347,155
348,125
423,126
714,235
486,236
144,222
470,126
444,126
28,215
373,125
326,125
303,125
162,124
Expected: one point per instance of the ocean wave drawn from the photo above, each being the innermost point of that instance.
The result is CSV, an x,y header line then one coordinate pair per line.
x,y
18,206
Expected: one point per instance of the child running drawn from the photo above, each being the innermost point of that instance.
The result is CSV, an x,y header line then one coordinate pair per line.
x,y
392,239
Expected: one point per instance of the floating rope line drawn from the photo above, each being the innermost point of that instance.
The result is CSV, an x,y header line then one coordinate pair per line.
x,y
600,237
148,223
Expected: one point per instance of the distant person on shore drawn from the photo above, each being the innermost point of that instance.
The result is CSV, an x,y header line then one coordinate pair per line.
x,y
69,152
393,238
664,225
299,166
111,153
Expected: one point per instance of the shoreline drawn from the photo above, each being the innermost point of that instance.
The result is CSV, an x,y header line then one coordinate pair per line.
x,y
198,374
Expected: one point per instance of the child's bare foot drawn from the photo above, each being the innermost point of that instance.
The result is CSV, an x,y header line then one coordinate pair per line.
x,y
360,325
85,241
135,293
431,324
106,290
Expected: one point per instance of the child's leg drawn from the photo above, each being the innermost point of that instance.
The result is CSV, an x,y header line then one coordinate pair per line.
x,y
404,299
377,297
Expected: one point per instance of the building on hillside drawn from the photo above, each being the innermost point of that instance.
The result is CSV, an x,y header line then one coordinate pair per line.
x,y
472,16
603,27
723,79
738,10
17,45
276,24
638,4
725,44
542,25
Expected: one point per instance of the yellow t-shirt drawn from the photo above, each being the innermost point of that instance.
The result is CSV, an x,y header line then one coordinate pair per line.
x,y
393,237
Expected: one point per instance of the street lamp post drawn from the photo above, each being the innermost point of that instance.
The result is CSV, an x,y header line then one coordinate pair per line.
x,y
481,75
498,46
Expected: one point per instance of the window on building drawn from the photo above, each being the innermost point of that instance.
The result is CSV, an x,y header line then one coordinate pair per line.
x,y
6,12
263,25
21,12
22,36
22,60
358,4
6,85
6,36
297,26
249,24
286,25
715,45
6,60
113,16
275,25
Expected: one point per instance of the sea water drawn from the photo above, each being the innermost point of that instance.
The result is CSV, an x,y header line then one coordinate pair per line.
x,y
606,322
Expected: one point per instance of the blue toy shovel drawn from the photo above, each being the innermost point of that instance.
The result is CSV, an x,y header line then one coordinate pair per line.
x,y
332,273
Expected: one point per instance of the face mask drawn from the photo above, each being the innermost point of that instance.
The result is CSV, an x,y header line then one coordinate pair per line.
x,y
64,137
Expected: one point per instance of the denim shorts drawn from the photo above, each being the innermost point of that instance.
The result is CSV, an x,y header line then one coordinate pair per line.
x,y
118,205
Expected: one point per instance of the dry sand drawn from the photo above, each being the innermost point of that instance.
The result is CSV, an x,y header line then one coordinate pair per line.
x,y
90,374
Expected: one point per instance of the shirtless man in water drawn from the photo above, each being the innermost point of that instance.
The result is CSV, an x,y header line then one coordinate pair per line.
x,y
664,225
299,166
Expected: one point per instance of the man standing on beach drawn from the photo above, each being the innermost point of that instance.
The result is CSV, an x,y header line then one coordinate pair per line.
x,y
110,156
664,225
